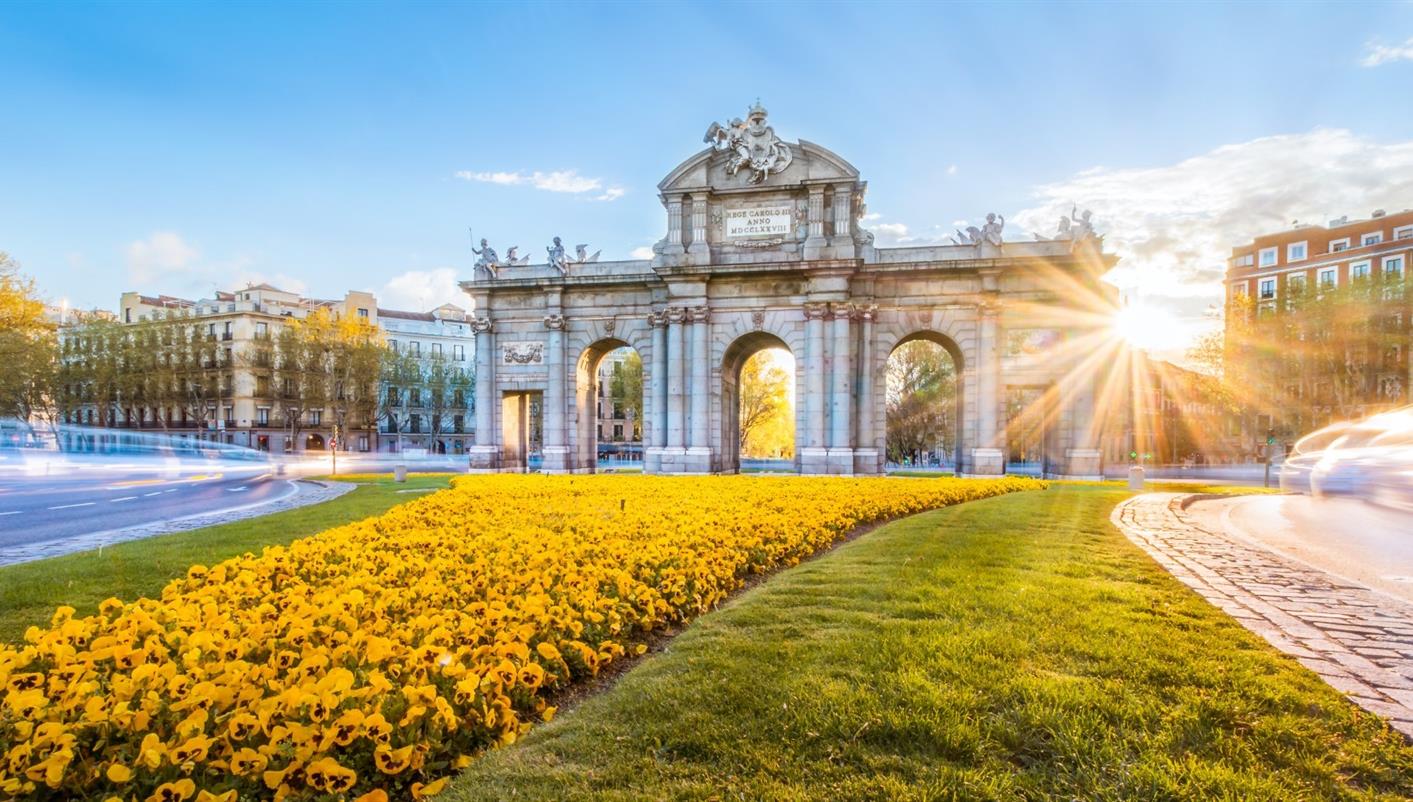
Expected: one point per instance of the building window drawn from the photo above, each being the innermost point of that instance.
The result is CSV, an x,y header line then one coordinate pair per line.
x,y
1269,256
1328,277
362,312
1403,232
316,417
1245,260
1337,245
127,315
262,329
436,349
228,415
1359,271
392,344
392,396
1295,282
1295,252
1393,268
1268,289
415,348
458,353
1372,239
414,397
262,416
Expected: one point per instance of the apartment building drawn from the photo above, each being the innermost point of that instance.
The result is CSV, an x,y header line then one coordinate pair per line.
x,y
1317,322
246,409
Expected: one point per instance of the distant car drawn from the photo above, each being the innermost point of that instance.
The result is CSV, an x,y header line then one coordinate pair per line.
x,y
1371,460
1295,470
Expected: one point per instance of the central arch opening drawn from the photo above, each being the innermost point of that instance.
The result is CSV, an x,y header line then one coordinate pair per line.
x,y
924,404
759,422
609,381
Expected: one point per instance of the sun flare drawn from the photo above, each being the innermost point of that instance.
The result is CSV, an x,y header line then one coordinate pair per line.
x,y
1148,327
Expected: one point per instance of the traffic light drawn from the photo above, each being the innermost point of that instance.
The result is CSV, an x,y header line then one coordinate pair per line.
x,y
1270,437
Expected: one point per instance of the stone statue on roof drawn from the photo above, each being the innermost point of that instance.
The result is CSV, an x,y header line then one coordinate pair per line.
x,y
557,258
488,258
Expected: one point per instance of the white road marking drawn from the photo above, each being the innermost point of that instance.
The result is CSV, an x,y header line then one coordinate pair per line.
x,y
158,493
69,506
124,498
240,489
173,490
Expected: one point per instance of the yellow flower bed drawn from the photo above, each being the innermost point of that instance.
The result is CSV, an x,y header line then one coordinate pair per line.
x,y
372,660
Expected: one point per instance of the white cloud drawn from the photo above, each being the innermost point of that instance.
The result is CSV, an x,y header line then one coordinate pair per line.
x,y
870,217
422,290
951,169
565,181
161,253
894,230
644,252
1174,226
1376,54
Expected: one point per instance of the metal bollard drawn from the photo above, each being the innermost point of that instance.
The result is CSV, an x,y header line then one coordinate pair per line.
x,y
1135,477
399,473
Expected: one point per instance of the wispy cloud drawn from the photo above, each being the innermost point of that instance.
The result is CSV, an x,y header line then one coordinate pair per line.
x,y
1376,54
951,169
162,253
566,181
422,290
643,252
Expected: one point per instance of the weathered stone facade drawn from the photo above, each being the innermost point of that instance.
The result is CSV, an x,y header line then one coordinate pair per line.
x,y
755,258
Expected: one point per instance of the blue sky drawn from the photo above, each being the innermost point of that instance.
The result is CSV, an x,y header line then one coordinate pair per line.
x,y
177,147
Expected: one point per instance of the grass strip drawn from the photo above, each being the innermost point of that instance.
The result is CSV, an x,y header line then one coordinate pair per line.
x,y
1016,648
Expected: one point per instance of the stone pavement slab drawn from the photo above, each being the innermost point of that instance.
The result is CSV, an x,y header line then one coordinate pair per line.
x,y
1358,640
310,492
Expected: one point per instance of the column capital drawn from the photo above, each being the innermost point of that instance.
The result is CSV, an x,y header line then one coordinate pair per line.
x,y
699,314
866,312
554,322
842,309
656,318
481,325
990,306
676,314
816,310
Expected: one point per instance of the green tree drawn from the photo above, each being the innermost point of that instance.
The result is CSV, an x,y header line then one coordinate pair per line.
x,y
28,349
921,400
625,389
767,416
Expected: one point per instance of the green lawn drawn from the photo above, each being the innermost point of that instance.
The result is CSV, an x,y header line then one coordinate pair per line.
x,y
1017,648
30,592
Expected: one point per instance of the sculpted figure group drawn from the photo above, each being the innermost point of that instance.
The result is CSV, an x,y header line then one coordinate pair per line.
x,y
752,145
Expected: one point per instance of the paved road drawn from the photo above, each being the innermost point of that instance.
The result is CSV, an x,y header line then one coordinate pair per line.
x,y
45,509
1370,545
1358,640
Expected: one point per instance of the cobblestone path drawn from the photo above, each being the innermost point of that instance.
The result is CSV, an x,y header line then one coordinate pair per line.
x,y
1358,640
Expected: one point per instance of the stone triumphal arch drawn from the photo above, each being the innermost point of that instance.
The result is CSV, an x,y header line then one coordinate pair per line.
x,y
765,248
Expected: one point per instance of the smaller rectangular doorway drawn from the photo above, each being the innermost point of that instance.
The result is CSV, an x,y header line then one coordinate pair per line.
x,y
519,411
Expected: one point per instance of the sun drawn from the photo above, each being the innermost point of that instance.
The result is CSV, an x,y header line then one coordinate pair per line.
x,y
1148,327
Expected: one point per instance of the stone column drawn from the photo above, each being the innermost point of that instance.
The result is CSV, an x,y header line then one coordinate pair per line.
x,y
866,451
988,457
674,226
1083,459
556,456
699,222
699,452
813,456
843,205
676,425
816,241
485,454
841,391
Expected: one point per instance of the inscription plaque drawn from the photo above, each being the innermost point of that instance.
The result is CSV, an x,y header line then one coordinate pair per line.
x,y
760,221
